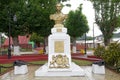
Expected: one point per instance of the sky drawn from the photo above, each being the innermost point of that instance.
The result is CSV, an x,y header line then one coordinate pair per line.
x,y
88,11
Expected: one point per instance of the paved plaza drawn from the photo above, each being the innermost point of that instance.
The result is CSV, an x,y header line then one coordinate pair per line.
x,y
110,75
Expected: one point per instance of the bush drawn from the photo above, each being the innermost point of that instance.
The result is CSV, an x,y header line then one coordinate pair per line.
x,y
112,54
99,51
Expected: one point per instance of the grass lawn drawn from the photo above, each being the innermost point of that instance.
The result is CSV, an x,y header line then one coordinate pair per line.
x,y
78,62
82,62
4,70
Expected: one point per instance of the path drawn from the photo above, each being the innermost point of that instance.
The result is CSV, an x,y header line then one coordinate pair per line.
x,y
88,70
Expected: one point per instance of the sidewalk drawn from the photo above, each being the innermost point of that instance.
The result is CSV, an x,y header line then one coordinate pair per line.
x,y
88,70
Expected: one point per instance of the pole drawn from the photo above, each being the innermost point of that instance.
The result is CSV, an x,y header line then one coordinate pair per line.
x,y
9,29
0,39
85,43
93,37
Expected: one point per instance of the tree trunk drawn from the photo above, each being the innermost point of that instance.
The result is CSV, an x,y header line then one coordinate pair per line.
x,y
16,46
74,46
106,41
107,36
46,45
15,41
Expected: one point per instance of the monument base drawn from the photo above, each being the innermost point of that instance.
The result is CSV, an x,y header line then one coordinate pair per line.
x,y
75,71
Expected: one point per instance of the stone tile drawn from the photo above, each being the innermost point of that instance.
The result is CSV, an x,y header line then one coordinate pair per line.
x,y
88,71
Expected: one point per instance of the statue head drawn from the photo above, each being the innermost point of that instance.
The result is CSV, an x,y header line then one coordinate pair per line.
x,y
59,7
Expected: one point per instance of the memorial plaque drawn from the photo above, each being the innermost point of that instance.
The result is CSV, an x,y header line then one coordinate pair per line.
x,y
59,30
59,46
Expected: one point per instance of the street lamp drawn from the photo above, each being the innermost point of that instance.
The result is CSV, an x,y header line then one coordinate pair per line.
x,y
85,44
9,48
93,36
0,39
15,18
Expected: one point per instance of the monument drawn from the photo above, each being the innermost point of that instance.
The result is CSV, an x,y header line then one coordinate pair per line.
x,y
59,54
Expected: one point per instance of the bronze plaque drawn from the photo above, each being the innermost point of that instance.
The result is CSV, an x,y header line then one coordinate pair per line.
x,y
59,46
59,30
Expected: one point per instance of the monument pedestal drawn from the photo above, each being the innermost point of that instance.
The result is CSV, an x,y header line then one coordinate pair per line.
x,y
59,56
75,71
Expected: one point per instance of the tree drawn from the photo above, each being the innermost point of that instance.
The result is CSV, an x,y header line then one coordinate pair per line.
x,y
31,16
76,23
10,15
107,14
36,38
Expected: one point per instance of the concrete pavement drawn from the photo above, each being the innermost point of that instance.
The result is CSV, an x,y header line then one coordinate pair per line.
x,y
110,75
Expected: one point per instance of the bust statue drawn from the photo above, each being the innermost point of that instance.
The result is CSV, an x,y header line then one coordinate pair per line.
x,y
58,17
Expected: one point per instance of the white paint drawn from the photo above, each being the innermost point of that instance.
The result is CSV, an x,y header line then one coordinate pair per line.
x,y
16,50
75,71
74,49
59,36
20,69
98,69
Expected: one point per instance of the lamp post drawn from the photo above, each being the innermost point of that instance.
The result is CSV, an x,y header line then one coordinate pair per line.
x,y
85,44
0,39
93,36
9,33
15,18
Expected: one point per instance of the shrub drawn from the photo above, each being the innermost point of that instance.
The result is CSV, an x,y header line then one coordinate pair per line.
x,y
112,54
99,51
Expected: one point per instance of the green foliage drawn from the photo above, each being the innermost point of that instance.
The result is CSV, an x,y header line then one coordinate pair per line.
x,y
3,70
32,16
39,62
82,62
107,17
76,23
112,54
8,9
99,51
36,38
2,40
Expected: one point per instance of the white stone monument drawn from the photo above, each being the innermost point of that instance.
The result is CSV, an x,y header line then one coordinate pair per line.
x,y
59,54
59,58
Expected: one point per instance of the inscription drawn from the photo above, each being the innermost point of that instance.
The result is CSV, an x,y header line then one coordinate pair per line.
x,y
59,46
